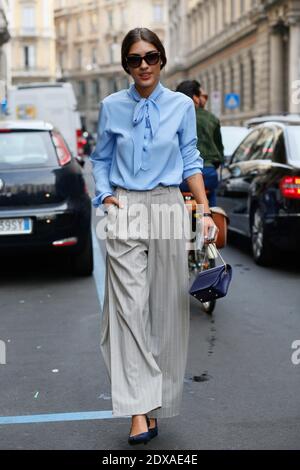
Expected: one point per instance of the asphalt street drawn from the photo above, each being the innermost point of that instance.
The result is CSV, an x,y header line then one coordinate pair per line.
x,y
241,388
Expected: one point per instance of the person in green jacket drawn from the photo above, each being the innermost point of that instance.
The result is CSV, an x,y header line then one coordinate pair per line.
x,y
209,137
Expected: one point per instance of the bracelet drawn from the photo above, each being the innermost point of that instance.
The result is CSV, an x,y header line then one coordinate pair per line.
x,y
207,214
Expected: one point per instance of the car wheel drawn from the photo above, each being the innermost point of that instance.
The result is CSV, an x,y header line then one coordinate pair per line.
x,y
83,263
261,248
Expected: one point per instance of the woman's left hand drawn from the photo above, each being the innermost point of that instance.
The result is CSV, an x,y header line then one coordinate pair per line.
x,y
210,230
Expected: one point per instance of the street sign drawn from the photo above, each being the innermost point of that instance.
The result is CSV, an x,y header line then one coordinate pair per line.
x,y
215,103
232,100
3,106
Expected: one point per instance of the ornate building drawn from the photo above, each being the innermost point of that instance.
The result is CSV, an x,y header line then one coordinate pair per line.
x,y
247,47
89,35
33,41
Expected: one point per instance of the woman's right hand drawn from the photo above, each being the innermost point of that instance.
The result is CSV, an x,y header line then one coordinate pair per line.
x,y
112,200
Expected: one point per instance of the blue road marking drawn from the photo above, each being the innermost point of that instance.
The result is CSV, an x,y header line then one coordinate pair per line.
x,y
51,418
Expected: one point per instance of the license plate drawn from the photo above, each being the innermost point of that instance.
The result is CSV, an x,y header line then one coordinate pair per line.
x,y
15,226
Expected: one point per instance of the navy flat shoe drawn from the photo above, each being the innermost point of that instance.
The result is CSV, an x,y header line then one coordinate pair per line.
x,y
142,438
152,431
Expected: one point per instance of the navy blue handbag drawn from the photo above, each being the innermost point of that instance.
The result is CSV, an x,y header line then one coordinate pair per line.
x,y
212,283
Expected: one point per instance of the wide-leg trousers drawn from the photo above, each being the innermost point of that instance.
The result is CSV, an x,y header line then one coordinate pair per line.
x,y
145,321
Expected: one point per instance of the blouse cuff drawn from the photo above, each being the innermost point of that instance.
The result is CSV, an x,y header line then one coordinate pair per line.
x,y
191,172
98,200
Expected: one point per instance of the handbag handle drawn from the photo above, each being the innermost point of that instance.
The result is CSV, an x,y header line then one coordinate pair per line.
x,y
215,247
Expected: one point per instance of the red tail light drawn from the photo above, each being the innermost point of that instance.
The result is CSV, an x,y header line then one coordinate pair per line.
x,y
63,153
290,187
81,141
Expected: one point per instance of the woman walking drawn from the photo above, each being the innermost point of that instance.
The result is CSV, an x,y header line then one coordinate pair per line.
x,y
146,146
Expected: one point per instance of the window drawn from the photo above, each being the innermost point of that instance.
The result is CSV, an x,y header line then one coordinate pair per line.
x,y
126,83
110,19
231,78
293,143
242,7
79,58
216,26
279,155
62,29
123,16
232,9
242,153
111,53
78,23
46,14
26,150
221,15
94,22
94,127
95,89
252,82
112,85
94,56
28,17
157,12
113,50
263,148
81,88
61,59
29,56
222,89
242,86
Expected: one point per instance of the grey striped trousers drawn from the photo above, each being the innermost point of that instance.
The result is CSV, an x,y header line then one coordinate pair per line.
x,y
145,322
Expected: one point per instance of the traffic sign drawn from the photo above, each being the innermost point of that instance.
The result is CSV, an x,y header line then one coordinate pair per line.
x,y
232,100
3,106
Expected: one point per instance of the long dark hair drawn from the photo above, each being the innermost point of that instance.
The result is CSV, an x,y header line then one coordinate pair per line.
x,y
144,34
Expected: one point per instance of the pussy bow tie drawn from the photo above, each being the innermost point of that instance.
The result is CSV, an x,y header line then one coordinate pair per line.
x,y
145,106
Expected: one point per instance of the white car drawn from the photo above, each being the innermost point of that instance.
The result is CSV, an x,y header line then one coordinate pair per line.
x,y
288,119
51,102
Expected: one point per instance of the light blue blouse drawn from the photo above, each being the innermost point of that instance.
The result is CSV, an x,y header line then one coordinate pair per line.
x,y
144,142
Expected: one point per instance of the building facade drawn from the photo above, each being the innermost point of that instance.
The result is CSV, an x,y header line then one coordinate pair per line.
x,y
4,59
32,41
89,36
249,48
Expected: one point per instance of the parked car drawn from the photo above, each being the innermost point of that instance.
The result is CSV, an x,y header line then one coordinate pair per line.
x,y
283,118
44,203
232,137
260,189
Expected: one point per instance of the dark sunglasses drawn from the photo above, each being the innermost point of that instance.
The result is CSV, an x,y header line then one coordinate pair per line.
x,y
135,61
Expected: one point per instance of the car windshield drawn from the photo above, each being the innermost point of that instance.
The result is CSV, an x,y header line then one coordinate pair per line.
x,y
293,139
232,137
23,149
